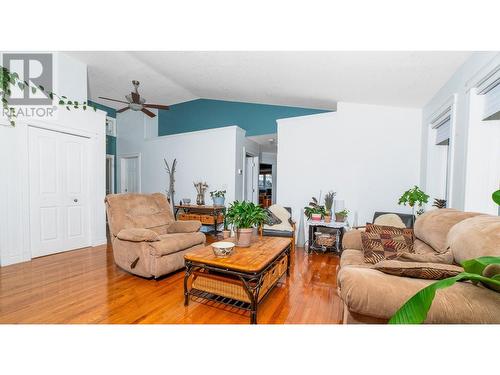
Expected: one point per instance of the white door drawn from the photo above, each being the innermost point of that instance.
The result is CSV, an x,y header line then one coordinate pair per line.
x,y
252,179
59,206
130,174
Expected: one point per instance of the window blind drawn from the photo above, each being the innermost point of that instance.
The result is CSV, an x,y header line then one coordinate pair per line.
x,y
490,88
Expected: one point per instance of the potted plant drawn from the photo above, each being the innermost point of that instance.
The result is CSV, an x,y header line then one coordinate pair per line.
x,y
328,205
226,233
341,216
414,196
314,211
218,197
244,216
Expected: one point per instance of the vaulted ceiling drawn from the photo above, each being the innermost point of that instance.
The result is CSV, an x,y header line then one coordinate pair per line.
x,y
302,79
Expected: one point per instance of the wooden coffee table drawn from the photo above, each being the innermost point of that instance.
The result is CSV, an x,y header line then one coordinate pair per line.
x,y
240,280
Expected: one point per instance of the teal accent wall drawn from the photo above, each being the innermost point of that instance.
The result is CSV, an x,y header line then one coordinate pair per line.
x,y
110,111
110,140
200,114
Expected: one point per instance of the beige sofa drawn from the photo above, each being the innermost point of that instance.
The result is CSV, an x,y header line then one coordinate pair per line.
x,y
442,236
146,239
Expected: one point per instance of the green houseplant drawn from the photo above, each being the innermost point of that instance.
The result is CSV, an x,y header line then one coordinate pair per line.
x,y
485,270
412,197
341,216
218,197
314,211
244,216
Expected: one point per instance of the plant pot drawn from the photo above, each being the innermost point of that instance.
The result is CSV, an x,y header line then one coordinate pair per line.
x,y
316,217
328,218
226,233
340,218
218,201
244,237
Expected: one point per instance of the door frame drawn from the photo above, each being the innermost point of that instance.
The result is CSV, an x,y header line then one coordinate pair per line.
x,y
91,139
139,171
256,160
113,182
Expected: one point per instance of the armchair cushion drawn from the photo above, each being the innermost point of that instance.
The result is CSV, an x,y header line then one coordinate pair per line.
x,y
138,235
188,226
174,242
284,215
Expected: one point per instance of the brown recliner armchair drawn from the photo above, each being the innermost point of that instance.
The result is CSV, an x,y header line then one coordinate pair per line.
x,y
146,239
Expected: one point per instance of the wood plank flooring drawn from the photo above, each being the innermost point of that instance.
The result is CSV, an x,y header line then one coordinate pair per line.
x,y
85,286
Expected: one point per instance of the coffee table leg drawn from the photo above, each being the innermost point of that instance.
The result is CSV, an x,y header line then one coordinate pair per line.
x,y
288,263
186,278
253,295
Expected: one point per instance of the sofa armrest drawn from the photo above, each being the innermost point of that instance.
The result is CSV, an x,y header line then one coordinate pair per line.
x,y
188,226
138,235
352,240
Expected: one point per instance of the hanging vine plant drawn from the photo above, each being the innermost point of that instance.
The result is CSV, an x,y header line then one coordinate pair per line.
x,y
9,79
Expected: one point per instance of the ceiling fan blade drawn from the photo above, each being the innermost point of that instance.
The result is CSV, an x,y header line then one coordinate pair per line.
x,y
149,113
157,106
113,100
122,110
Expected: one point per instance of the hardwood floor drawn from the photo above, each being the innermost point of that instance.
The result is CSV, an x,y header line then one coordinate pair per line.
x,y
85,286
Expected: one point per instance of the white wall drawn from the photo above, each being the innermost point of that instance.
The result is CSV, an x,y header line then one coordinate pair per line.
x,y
206,155
368,154
464,169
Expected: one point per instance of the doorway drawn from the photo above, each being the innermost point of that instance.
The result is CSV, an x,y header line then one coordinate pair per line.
x,y
59,191
251,178
130,173
266,185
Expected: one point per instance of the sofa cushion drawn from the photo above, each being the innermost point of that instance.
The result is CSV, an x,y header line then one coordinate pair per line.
x,y
419,270
490,271
352,257
475,237
352,240
433,226
283,214
385,245
391,220
372,293
174,242
271,218
138,235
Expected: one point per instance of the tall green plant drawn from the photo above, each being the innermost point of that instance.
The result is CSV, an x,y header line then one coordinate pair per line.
x,y
329,201
415,310
496,197
8,79
412,197
245,214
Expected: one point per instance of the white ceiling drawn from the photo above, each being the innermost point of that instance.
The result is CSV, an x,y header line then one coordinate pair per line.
x,y
303,79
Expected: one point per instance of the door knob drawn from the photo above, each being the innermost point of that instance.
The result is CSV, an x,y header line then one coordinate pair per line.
x,y
75,200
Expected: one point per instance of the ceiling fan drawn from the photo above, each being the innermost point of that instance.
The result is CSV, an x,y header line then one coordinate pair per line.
x,y
136,103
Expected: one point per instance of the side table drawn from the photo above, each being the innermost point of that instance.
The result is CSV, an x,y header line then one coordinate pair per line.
x,y
314,226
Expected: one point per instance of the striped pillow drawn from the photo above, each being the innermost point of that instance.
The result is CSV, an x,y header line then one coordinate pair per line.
x,y
385,245
430,271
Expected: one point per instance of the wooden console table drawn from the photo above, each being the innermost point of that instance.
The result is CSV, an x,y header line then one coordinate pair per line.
x,y
195,212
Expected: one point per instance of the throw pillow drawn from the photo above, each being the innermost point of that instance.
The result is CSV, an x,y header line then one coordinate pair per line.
x,y
380,246
271,218
374,228
430,271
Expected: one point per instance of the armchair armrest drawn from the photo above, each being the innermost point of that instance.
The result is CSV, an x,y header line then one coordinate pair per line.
x,y
188,226
138,235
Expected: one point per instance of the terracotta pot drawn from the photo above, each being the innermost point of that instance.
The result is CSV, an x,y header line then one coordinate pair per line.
x,y
340,218
316,217
244,237
328,218
226,234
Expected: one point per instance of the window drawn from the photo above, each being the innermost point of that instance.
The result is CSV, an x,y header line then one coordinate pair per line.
x,y
265,181
489,86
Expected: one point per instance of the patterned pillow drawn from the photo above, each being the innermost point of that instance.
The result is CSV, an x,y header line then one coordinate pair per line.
x,y
271,218
373,228
380,246
430,271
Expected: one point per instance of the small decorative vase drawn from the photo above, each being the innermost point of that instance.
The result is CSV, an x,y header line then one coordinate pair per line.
x,y
316,217
218,201
328,218
226,233
200,199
